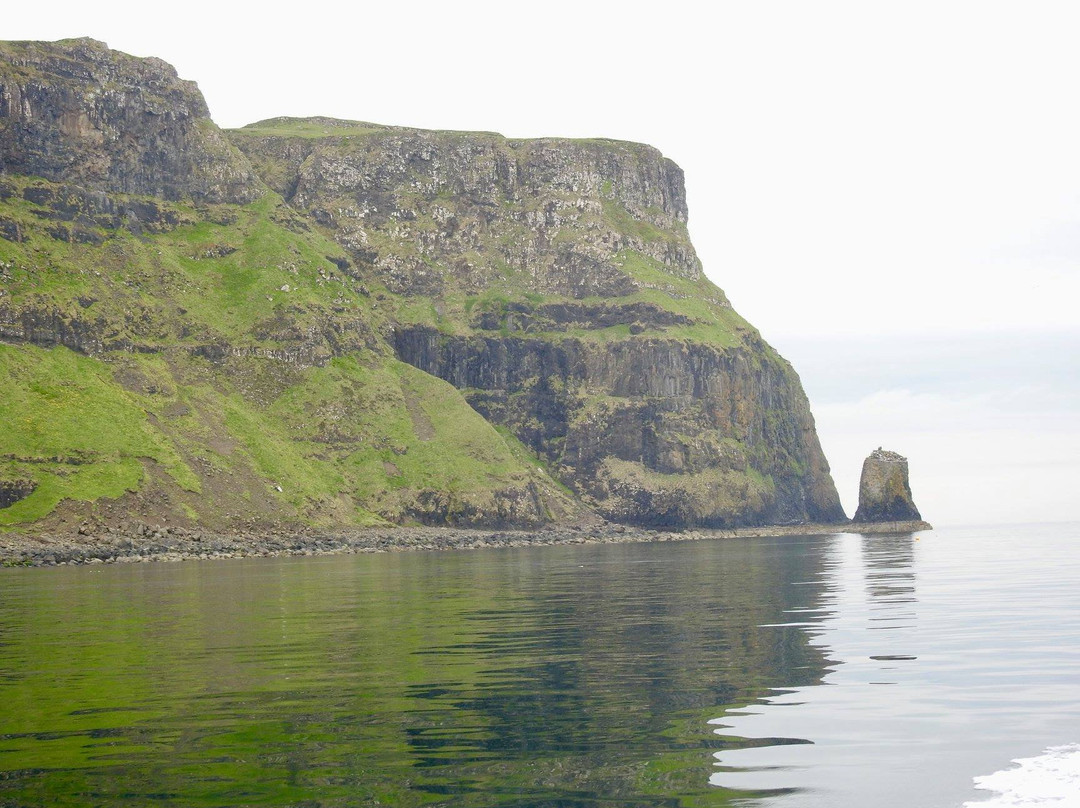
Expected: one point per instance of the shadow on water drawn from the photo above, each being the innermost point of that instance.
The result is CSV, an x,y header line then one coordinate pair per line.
x,y
559,676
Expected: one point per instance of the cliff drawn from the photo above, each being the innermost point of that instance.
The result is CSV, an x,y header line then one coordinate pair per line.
x,y
554,283
325,322
76,112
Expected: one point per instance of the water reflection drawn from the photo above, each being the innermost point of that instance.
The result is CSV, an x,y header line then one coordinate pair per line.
x,y
889,564
559,676
579,676
868,616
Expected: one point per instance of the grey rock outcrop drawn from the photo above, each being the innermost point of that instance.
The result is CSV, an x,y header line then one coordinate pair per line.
x,y
884,490
431,212
650,432
77,112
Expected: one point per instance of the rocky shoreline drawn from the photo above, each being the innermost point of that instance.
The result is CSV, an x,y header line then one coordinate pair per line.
x,y
141,543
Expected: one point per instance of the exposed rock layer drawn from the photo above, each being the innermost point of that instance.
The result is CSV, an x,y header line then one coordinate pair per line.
x,y
11,491
77,112
648,431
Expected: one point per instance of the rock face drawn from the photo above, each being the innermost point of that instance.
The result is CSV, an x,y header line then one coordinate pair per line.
x,y
650,432
77,112
11,491
551,283
884,491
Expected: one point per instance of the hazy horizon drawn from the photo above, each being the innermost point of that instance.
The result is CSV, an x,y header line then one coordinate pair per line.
x,y
990,423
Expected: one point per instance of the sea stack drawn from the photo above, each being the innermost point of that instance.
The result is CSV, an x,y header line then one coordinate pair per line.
x,y
884,491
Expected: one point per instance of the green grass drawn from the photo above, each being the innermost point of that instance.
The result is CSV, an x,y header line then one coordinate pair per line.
x,y
702,301
308,128
272,269
390,431
75,432
354,442
712,319
201,282
621,219
340,441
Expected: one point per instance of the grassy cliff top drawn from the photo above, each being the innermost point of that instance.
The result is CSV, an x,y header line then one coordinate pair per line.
x,y
315,128
322,127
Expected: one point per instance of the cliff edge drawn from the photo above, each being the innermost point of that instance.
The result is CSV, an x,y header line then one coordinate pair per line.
x,y
77,112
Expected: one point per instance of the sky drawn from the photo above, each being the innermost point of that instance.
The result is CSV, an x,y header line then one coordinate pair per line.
x,y
890,192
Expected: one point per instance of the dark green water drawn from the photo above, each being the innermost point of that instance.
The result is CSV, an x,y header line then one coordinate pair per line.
x,y
559,676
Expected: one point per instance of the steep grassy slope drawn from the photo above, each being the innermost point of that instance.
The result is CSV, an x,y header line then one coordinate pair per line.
x,y
213,365
253,442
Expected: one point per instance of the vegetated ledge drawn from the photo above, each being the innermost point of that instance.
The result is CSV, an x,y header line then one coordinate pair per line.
x,y
148,543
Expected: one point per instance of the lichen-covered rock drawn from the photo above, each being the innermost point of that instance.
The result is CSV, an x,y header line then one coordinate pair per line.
x,y
77,112
884,490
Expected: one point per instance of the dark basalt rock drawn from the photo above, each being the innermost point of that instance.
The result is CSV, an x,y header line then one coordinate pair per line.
x,y
884,491
49,326
12,491
644,429
77,112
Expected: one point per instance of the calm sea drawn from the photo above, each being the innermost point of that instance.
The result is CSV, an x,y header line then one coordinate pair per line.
x,y
800,671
